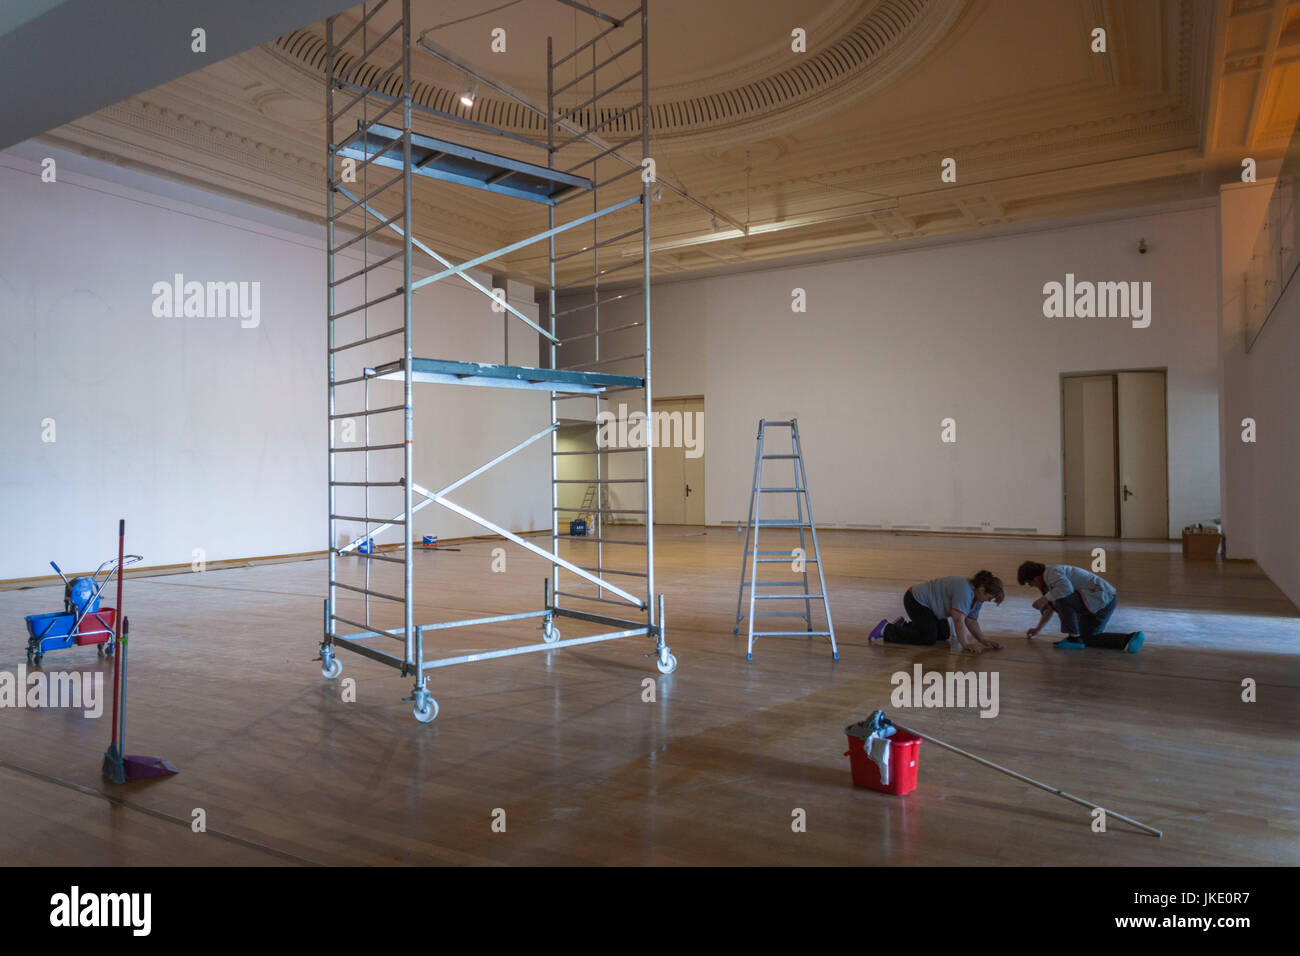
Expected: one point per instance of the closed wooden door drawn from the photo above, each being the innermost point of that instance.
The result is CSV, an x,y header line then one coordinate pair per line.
x,y
1143,455
1091,508
679,462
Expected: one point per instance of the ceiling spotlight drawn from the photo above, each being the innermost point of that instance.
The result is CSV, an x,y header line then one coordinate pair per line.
x,y
467,98
657,194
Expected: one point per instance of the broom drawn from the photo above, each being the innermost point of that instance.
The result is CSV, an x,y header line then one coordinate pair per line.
x,y
117,766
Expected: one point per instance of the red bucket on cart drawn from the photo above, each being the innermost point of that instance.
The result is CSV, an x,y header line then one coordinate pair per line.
x,y
904,762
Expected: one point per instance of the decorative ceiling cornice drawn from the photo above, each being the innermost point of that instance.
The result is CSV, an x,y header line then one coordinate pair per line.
x,y
886,39
1092,135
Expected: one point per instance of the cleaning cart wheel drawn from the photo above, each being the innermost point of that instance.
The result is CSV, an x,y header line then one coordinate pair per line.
x,y
550,633
425,714
109,648
667,666
332,669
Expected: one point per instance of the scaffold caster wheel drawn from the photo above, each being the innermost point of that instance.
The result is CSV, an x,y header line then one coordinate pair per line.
x,y
550,633
331,668
30,654
667,664
426,708
37,659
110,648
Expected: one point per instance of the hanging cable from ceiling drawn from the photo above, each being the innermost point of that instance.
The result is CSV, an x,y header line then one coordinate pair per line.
x,y
472,16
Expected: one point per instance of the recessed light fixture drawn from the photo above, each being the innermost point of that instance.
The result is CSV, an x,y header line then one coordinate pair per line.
x,y
467,98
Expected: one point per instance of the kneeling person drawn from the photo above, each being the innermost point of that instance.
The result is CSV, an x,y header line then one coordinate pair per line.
x,y
931,604
1084,603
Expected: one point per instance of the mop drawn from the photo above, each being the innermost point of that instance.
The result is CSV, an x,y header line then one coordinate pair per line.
x,y
117,767
878,718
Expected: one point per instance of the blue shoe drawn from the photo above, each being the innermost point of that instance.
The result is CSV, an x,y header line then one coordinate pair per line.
x,y
1135,643
878,631
1066,644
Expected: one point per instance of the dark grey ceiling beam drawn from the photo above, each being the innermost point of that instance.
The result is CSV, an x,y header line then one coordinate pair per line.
x,y
83,55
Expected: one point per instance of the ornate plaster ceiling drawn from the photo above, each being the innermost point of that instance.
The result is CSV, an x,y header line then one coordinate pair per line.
x,y
846,158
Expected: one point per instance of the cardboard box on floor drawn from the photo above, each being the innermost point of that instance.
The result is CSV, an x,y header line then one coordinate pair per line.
x,y
1201,545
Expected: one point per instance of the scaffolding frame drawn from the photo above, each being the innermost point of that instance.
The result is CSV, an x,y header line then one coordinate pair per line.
x,y
378,142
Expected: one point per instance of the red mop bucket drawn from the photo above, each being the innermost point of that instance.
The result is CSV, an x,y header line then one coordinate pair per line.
x,y
904,760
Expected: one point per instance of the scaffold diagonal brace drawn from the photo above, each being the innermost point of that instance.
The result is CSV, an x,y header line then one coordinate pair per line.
x,y
447,262
548,555
523,243
429,499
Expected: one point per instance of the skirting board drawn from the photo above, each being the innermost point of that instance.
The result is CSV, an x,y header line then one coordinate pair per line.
x,y
46,580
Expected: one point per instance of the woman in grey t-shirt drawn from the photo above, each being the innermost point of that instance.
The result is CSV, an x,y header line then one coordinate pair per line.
x,y
1083,601
931,604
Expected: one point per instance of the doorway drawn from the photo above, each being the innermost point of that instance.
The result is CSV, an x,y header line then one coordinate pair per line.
x,y
1115,454
679,461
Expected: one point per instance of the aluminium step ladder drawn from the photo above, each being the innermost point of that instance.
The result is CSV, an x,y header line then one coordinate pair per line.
x,y
595,500
798,559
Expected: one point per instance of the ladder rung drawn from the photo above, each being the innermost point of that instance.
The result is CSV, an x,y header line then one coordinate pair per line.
x,y
368,447
368,520
788,597
366,305
774,584
365,269
592,597
367,591
631,574
771,490
369,411
600,451
791,523
787,424
587,537
598,481
767,457
377,557
366,341
792,633
367,484
785,560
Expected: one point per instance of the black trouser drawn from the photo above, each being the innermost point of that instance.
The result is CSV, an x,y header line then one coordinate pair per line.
x,y
924,627
1077,620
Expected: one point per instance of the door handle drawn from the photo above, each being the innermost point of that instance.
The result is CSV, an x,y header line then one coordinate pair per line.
x,y
1128,494
688,491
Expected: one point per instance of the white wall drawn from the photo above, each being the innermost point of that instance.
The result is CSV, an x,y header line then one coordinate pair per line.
x,y
1276,394
1242,208
892,344
1261,481
203,434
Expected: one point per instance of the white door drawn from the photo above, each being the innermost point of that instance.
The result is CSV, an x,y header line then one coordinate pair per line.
x,y
1143,456
679,462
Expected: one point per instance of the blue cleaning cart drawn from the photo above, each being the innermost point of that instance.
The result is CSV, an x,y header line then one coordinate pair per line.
x,y
82,621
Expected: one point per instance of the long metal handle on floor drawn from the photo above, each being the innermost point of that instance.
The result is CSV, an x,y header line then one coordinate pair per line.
x,y
1031,781
754,556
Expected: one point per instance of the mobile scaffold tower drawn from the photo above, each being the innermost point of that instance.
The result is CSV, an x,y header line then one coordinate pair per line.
x,y
371,103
